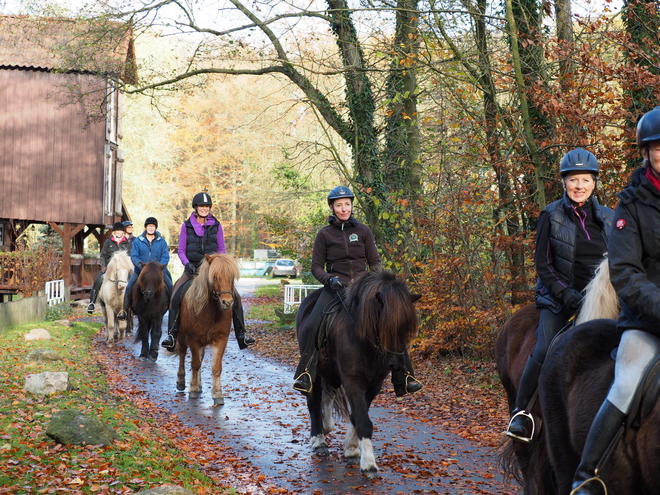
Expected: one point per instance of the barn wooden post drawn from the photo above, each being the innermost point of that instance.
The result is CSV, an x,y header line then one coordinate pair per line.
x,y
66,233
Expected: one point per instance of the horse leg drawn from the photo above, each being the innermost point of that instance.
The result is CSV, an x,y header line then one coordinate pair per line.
x,y
155,332
314,405
363,429
351,443
197,355
217,351
181,372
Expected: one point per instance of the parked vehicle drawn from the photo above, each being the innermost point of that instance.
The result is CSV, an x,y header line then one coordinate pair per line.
x,y
285,268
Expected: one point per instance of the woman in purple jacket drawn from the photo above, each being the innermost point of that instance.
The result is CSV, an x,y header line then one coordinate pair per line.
x,y
200,235
342,250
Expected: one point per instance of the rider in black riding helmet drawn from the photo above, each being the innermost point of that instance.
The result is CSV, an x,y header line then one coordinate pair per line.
x,y
200,235
342,250
571,241
117,242
633,254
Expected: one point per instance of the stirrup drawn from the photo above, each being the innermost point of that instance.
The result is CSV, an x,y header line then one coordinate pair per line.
x,y
412,384
300,388
593,478
121,315
525,414
91,307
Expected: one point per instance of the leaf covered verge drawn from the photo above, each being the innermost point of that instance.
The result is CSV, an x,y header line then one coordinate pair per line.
x,y
33,463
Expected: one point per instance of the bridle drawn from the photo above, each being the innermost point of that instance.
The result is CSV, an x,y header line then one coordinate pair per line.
x,y
217,294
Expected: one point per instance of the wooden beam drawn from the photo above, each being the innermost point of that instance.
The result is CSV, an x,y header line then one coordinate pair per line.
x,y
66,232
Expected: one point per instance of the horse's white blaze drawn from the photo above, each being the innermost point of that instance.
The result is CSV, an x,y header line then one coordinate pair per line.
x,y
317,441
351,442
326,410
367,459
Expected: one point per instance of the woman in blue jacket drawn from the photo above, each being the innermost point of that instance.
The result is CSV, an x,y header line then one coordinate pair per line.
x,y
148,246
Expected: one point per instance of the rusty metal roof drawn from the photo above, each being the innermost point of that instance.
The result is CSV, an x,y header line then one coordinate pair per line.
x,y
67,45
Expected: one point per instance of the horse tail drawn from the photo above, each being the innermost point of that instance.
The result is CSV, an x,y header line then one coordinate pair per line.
x,y
600,300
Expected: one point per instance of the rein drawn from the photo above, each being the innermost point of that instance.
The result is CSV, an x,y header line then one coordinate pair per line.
x,y
216,295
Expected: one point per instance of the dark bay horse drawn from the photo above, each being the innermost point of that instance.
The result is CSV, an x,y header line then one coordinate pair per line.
x,y
205,320
362,340
150,300
529,462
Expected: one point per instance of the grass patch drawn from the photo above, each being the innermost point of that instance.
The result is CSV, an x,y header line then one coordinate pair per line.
x,y
33,463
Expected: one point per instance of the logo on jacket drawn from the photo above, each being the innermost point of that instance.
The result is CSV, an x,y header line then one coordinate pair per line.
x,y
353,238
620,224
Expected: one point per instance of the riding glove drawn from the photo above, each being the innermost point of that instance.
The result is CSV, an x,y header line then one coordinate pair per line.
x,y
191,268
572,298
335,283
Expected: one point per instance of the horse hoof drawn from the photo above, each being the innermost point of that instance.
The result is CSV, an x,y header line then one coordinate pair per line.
x,y
153,356
370,473
353,461
219,401
180,387
142,357
194,395
322,451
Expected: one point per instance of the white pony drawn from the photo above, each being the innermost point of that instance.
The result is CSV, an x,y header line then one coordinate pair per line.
x,y
111,295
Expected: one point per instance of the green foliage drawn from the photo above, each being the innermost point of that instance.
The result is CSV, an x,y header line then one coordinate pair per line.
x,y
58,311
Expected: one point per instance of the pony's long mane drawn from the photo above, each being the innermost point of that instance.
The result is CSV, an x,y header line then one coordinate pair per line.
x,y
600,299
382,307
120,260
151,275
214,267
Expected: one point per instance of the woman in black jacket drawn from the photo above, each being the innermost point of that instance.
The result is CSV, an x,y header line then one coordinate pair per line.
x,y
634,261
342,250
571,241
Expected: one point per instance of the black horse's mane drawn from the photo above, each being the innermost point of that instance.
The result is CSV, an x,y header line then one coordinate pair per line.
x,y
151,275
368,296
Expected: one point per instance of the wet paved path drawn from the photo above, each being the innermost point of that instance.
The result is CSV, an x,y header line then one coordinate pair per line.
x,y
265,421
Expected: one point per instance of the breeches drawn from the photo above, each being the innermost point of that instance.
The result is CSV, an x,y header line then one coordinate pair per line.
x,y
549,325
636,351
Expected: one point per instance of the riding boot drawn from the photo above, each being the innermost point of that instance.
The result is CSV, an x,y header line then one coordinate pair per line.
x,y
244,340
403,378
92,299
172,328
521,425
601,441
122,315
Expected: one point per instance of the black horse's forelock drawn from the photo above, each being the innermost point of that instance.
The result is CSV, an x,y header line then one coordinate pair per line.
x,y
381,306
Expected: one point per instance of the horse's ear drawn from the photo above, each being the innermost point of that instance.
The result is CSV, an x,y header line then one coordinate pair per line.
x,y
415,297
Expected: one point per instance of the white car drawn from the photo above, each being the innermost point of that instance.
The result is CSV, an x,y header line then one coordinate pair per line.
x,y
284,268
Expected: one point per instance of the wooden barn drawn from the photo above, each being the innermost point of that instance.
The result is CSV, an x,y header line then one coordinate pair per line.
x,y
60,136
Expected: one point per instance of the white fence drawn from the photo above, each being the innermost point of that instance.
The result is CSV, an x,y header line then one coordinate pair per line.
x,y
294,294
54,292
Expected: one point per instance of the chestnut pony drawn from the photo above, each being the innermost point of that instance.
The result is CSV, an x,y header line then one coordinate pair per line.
x,y
366,334
530,463
205,320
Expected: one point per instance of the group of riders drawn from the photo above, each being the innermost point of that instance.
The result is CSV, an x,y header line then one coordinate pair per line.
x,y
573,236
342,250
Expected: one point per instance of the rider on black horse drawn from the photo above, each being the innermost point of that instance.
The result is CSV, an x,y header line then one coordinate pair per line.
x,y
571,241
633,253
342,250
200,235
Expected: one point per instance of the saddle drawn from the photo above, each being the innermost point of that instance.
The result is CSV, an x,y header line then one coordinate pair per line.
x,y
182,292
329,314
645,396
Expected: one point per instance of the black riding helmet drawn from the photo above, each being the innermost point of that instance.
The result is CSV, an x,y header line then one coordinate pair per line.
x,y
648,127
578,160
118,226
338,193
202,199
152,221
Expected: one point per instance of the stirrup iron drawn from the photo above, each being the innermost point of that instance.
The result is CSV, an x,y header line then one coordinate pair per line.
x,y
518,437
311,383
592,479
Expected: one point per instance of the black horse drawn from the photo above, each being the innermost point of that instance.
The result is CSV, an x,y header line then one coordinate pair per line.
x,y
361,342
149,301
